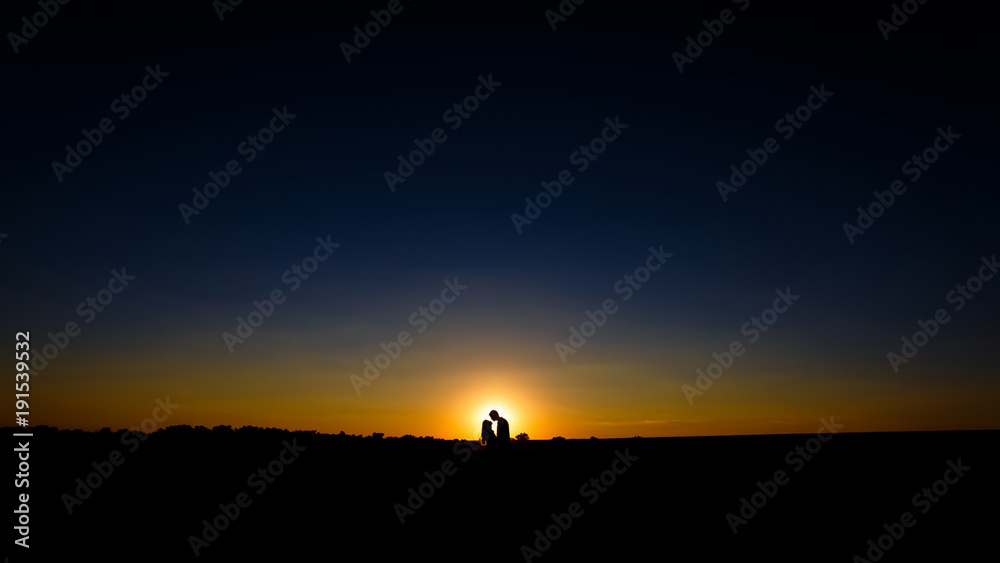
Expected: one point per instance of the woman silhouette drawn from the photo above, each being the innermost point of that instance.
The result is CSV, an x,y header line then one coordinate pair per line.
x,y
488,438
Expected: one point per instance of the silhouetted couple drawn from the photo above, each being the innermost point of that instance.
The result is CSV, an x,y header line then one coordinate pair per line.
x,y
497,444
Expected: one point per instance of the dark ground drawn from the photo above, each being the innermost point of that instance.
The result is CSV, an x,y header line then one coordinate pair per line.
x,y
336,500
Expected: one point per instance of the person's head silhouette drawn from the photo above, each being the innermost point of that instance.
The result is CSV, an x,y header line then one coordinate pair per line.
x,y
494,415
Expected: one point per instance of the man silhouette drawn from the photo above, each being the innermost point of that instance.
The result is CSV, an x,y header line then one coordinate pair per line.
x,y
503,432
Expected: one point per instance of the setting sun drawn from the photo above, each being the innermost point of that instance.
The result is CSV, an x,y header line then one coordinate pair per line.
x,y
474,406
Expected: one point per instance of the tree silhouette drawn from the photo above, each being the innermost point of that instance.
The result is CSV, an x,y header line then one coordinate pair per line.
x,y
521,437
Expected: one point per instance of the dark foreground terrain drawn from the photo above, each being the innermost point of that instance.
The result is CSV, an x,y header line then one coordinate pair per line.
x,y
330,498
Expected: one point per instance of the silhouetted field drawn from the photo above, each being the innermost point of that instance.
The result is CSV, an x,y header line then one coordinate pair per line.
x,y
668,500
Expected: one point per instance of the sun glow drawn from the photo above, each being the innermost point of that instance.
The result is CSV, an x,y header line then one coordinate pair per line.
x,y
482,412
475,407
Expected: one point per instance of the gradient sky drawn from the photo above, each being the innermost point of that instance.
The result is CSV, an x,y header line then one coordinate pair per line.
x,y
494,346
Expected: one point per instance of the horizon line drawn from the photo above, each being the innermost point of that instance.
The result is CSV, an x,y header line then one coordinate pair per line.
x,y
30,429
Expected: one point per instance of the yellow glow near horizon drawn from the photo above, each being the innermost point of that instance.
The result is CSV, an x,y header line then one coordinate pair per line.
x,y
499,406
446,398
493,391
